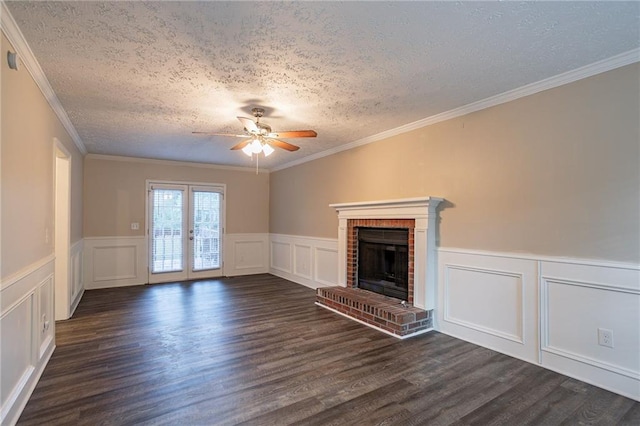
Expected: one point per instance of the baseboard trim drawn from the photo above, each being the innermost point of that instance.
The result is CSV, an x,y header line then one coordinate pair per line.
x,y
488,346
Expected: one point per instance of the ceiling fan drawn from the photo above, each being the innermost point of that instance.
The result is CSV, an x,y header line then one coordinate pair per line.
x,y
261,137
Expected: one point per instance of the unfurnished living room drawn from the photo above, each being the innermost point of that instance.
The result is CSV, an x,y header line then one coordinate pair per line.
x,y
320,213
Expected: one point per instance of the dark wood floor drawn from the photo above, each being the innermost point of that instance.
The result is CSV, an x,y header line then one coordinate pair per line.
x,y
257,350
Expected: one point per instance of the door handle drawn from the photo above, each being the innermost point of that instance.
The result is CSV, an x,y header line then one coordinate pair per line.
x,y
191,238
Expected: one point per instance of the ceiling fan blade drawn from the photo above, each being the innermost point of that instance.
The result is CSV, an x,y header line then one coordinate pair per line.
x,y
295,134
249,124
219,134
240,145
282,144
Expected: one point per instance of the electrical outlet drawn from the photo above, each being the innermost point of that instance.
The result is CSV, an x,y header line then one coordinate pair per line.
x,y
605,337
135,226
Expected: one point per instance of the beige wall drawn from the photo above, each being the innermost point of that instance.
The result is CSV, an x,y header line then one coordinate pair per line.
x,y
28,128
556,173
115,194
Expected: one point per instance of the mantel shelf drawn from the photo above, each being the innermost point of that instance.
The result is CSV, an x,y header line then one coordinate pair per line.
x,y
397,203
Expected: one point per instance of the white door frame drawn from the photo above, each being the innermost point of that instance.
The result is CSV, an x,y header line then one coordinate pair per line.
x,y
62,230
188,184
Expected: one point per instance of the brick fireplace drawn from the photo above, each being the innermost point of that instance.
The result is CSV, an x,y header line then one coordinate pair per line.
x,y
352,247
418,216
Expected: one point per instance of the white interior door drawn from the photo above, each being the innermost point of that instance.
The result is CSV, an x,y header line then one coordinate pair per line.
x,y
185,231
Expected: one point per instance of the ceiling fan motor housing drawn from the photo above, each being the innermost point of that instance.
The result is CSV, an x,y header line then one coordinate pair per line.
x,y
265,129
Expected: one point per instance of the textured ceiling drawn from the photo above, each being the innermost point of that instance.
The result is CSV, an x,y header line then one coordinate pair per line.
x,y
136,78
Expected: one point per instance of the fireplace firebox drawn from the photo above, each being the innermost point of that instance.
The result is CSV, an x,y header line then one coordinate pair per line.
x,y
383,261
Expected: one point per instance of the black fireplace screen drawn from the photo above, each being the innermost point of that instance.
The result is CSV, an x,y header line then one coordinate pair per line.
x,y
383,261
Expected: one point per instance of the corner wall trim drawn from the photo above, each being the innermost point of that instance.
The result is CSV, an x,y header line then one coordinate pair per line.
x,y
16,38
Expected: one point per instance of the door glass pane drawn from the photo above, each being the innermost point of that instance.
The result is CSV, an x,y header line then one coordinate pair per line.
x,y
206,230
166,230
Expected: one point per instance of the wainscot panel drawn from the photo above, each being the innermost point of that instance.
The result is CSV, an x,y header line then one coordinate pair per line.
x,y
310,261
281,256
464,287
490,301
28,334
546,310
578,302
246,254
326,265
115,261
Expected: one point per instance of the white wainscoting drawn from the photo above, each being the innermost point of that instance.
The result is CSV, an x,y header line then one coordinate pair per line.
x,y
490,301
464,287
246,254
115,261
310,261
576,300
122,261
28,334
546,311
76,275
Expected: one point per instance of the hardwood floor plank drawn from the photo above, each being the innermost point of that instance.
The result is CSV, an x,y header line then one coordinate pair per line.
x,y
600,409
552,409
256,350
530,388
358,409
631,417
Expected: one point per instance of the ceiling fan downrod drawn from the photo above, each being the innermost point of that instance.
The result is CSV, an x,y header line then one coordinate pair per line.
x,y
257,113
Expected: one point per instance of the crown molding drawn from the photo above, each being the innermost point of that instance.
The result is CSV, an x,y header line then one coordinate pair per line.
x,y
599,67
172,163
16,38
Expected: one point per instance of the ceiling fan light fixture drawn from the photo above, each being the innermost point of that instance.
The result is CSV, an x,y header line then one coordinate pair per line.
x,y
256,146
261,138
247,150
267,149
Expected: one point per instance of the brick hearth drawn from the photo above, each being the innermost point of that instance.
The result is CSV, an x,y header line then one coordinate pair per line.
x,y
377,310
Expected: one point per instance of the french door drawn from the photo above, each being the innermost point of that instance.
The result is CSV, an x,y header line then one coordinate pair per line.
x,y
186,226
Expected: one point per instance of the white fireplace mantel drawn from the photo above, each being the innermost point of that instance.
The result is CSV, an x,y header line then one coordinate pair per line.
x,y
423,211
